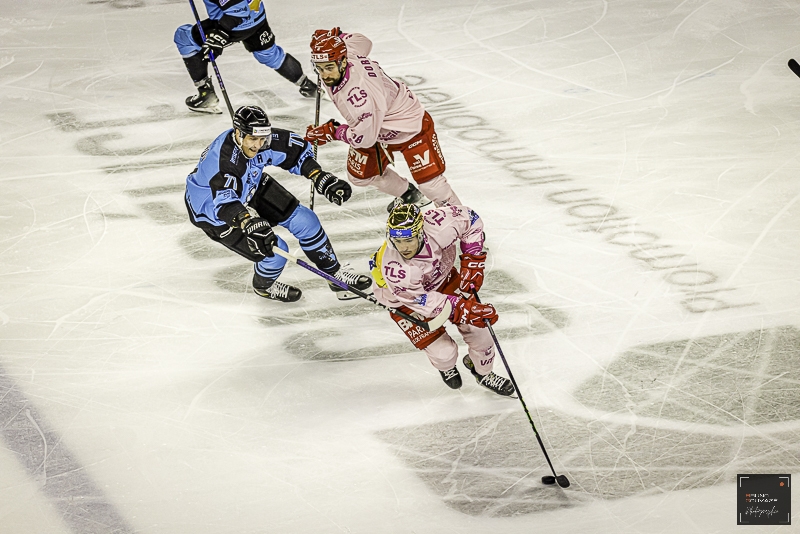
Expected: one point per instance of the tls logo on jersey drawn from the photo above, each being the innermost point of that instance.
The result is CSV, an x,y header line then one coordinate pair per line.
x,y
357,97
394,272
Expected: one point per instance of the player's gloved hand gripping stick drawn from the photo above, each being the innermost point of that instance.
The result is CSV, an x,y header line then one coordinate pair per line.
x,y
433,324
547,479
211,58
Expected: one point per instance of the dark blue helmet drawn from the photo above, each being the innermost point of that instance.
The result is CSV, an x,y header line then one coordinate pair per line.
x,y
252,120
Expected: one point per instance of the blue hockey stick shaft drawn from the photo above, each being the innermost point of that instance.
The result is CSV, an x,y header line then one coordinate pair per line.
x,y
213,60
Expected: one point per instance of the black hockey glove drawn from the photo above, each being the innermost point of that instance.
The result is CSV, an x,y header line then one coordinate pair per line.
x,y
215,41
335,190
260,237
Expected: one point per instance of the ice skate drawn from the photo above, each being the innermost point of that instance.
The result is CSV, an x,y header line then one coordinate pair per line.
x,y
307,87
205,101
358,281
498,384
273,290
451,377
411,196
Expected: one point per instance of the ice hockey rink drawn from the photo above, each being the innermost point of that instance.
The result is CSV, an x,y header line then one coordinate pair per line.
x,y
635,164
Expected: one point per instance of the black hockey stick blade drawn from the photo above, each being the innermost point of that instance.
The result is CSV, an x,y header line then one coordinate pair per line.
x,y
794,66
549,480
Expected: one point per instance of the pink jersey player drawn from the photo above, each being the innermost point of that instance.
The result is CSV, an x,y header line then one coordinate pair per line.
x,y
382,116
413,271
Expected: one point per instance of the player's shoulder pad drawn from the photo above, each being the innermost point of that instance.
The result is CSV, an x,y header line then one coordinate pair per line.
x,y
376,266
284,140
231,158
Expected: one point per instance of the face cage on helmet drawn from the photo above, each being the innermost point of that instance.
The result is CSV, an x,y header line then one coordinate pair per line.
x,y
409,226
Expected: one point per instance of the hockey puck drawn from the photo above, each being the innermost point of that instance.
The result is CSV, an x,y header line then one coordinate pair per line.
x,y
549,480
562,481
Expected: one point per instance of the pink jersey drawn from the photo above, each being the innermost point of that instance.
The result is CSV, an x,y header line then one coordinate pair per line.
x,y
413,283
375,107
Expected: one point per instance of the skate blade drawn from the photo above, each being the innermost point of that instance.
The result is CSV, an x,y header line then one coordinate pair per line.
x,y
346,295
211,111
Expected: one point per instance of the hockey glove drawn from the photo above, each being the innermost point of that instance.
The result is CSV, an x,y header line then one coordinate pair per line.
x,y
215,41
335,190
471,274
324,133
260,237
472,312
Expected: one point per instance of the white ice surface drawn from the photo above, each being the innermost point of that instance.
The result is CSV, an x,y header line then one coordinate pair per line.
x,y
141,347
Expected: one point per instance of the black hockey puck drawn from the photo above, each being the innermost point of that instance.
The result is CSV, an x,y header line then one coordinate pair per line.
x,y
549,480
562,481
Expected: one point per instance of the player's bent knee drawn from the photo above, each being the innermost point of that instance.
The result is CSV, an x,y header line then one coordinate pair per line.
x,y
183,40
303,223
360,182
272,57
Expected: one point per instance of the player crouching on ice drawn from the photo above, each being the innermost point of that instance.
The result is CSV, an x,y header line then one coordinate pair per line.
x,y
413,271
235,203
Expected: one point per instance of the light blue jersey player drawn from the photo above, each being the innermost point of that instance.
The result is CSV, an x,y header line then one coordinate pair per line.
x,y
235,203
228,22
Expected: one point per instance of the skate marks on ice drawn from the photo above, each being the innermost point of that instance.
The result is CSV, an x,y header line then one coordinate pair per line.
x,y
699,289
133,4
668,416
107,136
481,466
327,342
82,505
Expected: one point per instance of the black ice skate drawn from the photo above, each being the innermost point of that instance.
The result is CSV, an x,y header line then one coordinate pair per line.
x,y
359,281
493,382
411,196
451,377
269,289
307,87
205,101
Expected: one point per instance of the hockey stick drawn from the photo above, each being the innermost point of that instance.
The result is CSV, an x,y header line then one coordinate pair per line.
x,y
794,66
378,155
561,479
213,61
316,143
433,324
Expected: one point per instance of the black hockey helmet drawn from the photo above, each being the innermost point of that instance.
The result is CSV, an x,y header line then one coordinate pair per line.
x,y
252,120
